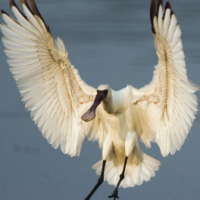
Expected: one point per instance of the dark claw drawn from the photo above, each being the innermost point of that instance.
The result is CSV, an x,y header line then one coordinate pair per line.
x,y
115,192
114,195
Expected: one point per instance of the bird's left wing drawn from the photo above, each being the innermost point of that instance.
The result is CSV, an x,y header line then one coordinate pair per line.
x,y
165,109
50,86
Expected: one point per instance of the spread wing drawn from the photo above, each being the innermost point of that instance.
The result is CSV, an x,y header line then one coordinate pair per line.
x,y
50,86
166,108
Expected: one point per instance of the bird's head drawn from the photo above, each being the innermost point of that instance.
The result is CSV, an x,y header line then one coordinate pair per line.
x,y
103,92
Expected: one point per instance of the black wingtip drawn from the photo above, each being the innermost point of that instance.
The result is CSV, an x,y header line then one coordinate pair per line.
x,y
37,12
155,4
153,14
159,3
3,12
12,3
34,10
168,6
154,10
26,4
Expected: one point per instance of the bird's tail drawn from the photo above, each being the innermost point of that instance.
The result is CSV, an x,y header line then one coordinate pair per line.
x,y
134,174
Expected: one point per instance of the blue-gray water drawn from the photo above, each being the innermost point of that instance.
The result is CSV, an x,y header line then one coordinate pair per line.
x,y
109,41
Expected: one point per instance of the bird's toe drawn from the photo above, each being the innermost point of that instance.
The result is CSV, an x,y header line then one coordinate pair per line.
x,y
114,195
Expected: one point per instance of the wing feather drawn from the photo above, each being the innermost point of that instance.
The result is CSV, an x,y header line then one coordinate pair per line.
x,y
166,108
50,86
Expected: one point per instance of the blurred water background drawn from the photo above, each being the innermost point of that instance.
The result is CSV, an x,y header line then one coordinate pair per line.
x,y
109,41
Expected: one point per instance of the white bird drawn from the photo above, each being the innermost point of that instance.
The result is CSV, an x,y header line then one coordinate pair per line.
x,y
66,109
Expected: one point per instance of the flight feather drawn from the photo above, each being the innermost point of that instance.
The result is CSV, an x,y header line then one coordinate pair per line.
x,y
166,108
50,86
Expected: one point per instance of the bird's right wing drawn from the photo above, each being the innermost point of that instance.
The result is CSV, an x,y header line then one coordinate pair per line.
x,y
50,86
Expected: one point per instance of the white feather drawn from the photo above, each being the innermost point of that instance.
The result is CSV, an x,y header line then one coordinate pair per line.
x,y
175,99
52,90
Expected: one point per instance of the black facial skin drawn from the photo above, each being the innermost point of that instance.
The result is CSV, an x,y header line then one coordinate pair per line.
x,y
102,92
90,114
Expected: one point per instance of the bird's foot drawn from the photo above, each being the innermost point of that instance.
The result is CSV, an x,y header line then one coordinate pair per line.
x,y
114,195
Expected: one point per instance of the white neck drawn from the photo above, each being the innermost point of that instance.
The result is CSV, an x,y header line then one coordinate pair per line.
x,y
118,101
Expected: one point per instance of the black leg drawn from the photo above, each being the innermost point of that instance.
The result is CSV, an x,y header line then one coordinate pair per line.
x,y
100,181
121,177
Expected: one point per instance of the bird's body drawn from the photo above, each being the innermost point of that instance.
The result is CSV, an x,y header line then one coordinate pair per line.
x,y
67,110
119,123
116,114
117,120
